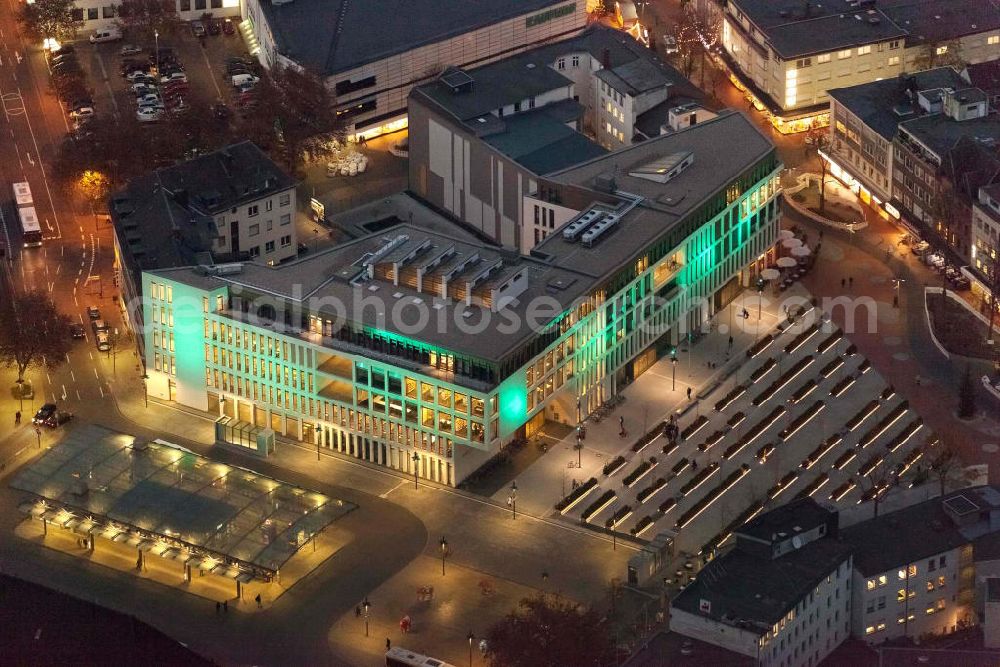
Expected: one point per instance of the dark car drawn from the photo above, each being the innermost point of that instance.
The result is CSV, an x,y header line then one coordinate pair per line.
x,y
58,418
229,27
93,312
198,28
221,111
44,413
214,28
77,331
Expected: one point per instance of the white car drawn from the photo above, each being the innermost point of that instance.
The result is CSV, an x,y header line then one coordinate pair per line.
x,y
670,44
173,76
130,50
103,342
148,99
148,114
143,87
82,113
137,74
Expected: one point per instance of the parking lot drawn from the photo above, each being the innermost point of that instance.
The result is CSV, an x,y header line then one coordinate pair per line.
x,y
200,63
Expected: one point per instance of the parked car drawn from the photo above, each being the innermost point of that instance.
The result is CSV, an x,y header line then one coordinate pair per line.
x,y
63,50
241,79
214,28
228,27
197,28
143,88
82,112
137,74
670,44
102,341
80,103
99,325
44,413
173,76
147,99
93,312
147,114
76,330
64,58
130,50
58,418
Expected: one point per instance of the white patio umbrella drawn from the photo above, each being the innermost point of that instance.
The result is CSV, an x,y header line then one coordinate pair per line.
x,y
770,274
801,251
786,262
785,234
791,243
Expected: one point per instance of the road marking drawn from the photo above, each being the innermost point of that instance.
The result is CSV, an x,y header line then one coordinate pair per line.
x,y
48,378
64,392
71,373
386,494
101,389
78,394
91,355
96,375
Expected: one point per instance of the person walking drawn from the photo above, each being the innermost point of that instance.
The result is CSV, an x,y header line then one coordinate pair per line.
x,y
388,644
17,418
850,282
218,607
843,283
689,393
357,611
257,600
225,606
730,342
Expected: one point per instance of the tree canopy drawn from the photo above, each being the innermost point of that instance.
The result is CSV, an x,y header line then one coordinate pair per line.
x,y
547,631
49,19
32,332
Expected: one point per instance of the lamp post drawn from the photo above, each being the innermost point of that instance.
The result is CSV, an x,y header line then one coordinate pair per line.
x,y
470,637
760,297
156,41
20,392
673,370
896,282
444,553
416,461
365,604
512,499
145,389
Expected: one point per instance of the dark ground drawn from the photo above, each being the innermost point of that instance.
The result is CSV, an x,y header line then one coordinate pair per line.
x,y
43,627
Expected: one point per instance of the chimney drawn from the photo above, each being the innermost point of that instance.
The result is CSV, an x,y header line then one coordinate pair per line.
x,y
606,58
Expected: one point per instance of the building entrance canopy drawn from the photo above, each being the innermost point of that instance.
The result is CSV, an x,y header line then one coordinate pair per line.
x,y
169,500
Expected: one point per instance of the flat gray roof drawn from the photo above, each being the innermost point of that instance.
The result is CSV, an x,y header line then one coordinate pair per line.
x,y
330,36
941,133
723,147
166,494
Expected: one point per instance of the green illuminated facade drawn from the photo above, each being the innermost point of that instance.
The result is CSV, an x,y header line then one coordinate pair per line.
x,y
450,401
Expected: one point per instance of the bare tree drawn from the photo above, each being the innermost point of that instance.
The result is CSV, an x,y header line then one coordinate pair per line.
x,y
879,482
688,41
946,53
944,465
32,332
819,136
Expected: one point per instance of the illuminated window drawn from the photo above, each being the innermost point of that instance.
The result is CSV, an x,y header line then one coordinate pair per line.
x,y
870,630
864,50
846,53
993,39
930,585
940,582
823,58
894,60
882,580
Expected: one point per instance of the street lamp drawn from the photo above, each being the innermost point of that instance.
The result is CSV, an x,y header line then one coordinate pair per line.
x,y
512,499
416,461
470,637
673,369
20,392
145,389
365,604
896,282
760,297
444,553
156,41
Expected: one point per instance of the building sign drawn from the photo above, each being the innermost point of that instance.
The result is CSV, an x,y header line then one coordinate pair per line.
x,y
548,15
705,606
318,209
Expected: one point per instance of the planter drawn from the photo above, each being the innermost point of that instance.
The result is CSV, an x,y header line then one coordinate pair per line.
x,y
863,414
799,422
884,425
651,490
829,342
845,458
842,386
667,505
641,471
699,479
801,339
730,398
803,391
782,484
760,346
712,441
693,427
831,368
692,513
821,451
613,466
842,490
908,432
643,524
577,495
814,486
765,368
598,505
680,466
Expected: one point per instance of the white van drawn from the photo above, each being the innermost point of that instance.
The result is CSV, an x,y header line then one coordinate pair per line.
x,y
242,80
106,35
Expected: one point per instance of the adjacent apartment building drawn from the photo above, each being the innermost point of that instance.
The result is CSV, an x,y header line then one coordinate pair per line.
x,y
96,15
482,140
986,232
786,55
422,348
231,205
781,595
373,52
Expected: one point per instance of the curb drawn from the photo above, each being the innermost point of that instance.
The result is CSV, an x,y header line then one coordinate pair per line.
x,y
930,327
804,180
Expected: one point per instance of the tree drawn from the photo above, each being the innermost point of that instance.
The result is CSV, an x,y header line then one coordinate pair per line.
x,y
32,333
49,19
549,632
933,54
143,18
94,186
295,115
966,396
819,136
946,463
879,481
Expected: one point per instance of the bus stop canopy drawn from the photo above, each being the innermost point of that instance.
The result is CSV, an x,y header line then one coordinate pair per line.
x,y
233,520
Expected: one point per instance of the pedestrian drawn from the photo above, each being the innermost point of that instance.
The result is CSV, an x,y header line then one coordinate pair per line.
x,y
257,600
730,342
357,611
218,607
17,418
850,282
621,421
225,606
843,283
388,644
689,393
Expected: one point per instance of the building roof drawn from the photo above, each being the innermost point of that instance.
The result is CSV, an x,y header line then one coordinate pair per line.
x,y
671,649
940,134
754,593
161,493
918,531
882,105
723,147
798,29
802,514
637,76
540,141
165,217
331,36
985,76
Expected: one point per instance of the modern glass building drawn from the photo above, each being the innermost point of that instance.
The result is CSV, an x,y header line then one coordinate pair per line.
x,y
426,350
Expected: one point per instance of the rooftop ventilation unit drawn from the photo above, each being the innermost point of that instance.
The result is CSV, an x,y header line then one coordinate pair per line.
x,y
457,80
601,228
388,246
574,229
221,269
